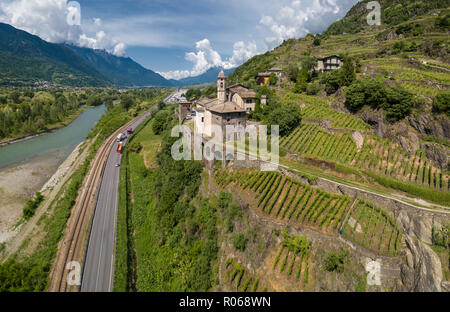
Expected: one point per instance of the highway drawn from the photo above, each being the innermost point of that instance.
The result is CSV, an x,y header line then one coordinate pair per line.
x,y
98,272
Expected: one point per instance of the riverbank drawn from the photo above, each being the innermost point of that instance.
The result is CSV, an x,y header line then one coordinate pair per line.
x,y
50,129
19,183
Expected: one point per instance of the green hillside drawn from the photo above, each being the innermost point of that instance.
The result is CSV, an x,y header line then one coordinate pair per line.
x,y
393,12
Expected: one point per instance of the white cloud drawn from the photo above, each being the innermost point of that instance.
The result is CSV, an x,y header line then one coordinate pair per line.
x,y
206,58
297,19
48,20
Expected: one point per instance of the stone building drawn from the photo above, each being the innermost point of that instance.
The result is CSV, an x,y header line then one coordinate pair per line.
x,y
331,62
229,108
184,108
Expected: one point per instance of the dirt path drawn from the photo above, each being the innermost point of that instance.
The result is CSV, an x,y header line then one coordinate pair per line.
x,y
50,191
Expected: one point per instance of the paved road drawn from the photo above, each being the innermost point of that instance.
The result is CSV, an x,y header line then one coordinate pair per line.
x,y
98,268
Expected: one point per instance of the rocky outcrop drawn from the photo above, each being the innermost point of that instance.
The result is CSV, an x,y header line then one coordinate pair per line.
x,y
376,120
422,271
437,155
425,124
419,226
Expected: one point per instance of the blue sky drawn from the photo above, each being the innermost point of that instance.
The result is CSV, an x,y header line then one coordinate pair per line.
x,y
178,38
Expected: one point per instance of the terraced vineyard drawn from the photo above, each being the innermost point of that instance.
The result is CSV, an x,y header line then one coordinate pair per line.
x,y
318,109
240,278
293,259
377,155
338,120
389,159
286,199
373,228
312,141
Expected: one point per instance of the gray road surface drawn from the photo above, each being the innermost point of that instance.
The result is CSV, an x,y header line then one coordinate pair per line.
x,y
99,264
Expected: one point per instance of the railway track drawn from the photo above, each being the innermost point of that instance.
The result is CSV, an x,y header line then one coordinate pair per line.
x,y
72,246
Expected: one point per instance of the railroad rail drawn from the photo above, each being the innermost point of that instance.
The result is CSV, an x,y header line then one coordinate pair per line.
x,y
73,246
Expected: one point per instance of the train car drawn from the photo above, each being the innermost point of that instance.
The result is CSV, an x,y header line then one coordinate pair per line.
x,y
120,148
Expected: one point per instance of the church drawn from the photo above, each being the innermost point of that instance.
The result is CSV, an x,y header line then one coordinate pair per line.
x,y
229,108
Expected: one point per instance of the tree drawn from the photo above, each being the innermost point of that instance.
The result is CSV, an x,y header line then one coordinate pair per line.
x,y
331,80
441,103
308,64
161,105
288,117
94,100
399,103
135,147
273,79
193,93
15,97
363,92
347,72
160,122
443,22
317,41
126,102
302,81
293,72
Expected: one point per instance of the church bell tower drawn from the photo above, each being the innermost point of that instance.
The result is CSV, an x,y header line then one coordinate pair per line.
x,y
221,86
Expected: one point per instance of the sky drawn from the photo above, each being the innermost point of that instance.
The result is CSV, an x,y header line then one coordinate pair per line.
x,y
176,38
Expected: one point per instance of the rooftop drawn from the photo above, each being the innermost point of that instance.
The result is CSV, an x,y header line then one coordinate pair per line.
x,y
227,107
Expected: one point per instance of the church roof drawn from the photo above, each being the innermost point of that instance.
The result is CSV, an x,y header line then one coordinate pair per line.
x,y
221,75
227,107
205,102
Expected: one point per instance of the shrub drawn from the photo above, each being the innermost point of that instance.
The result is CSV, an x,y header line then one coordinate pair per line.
x,y
31,206
335,261
441,103
240,241
135,147
312,89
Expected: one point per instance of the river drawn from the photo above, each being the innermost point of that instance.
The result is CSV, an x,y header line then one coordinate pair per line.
x,y
62,142
27,165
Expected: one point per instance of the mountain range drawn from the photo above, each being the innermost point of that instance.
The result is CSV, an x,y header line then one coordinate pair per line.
x,y
26,59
